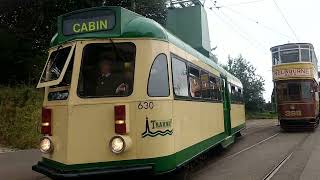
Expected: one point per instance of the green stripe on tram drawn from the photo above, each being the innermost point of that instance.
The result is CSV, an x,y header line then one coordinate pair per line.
x,y
162,164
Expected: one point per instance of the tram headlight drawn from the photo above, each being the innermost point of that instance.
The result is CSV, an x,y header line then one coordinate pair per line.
x,y
46,145
117,144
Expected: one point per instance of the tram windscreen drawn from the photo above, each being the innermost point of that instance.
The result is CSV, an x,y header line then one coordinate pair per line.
x,y
55,64
107,70
294,91
289,56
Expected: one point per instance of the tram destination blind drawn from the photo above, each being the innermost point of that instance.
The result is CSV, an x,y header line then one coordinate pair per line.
x,y
90,21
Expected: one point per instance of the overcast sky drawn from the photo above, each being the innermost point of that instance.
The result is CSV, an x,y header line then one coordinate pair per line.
x,y
251,27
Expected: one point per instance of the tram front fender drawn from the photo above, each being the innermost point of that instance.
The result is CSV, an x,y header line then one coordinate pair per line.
x,y
70,174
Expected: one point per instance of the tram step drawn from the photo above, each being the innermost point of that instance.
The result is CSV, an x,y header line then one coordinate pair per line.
x,y
227,141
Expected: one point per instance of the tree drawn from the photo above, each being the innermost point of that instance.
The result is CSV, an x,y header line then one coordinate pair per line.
x,y
27,26
253,84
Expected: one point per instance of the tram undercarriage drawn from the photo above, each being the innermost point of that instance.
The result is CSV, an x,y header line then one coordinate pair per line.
x,y
299,124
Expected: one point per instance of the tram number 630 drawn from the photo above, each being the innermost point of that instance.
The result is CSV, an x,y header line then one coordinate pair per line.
x,y
145,105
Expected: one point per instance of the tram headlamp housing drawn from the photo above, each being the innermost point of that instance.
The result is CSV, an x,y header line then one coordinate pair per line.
x,y
119,144
46,145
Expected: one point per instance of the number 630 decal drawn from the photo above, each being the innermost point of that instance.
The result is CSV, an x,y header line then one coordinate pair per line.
x,y
145,105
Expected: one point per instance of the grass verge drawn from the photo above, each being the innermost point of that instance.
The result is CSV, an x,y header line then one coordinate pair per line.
x,y
261,115
20,111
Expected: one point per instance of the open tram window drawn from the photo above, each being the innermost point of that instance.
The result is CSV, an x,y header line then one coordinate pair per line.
x,y
205,87
107,70
55,65
61,91
158,84
214,88
180,78
194,82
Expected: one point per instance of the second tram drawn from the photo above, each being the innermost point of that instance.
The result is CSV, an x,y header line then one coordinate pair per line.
x,y
296,85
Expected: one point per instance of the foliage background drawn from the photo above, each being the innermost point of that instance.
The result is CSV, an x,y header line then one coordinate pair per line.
x,y
26,28
253,84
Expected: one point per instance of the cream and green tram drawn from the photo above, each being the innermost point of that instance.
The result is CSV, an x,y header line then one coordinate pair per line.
x,y
122,94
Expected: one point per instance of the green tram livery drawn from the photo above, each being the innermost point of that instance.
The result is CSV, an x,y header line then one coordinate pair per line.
x,y
123,94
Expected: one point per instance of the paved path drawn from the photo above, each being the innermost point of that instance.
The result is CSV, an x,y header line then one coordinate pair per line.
x,y
266,152
263,152
5,150
17,165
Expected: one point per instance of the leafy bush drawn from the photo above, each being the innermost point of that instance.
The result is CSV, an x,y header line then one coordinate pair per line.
x,y
20,111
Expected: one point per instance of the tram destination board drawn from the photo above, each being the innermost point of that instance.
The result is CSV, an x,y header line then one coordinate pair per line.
x,y
90,21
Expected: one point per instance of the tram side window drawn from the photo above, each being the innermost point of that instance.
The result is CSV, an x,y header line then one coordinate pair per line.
x,y
314,58
306,90
233,94
305,55
194,82
158,84
214,88
180,78
240,93
205,88
282,94
275,58
107,70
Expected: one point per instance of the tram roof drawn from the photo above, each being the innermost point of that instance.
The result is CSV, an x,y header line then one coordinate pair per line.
x,y
292,46
132,25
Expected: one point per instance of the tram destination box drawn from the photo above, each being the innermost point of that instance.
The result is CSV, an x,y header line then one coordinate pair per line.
x,y
99,22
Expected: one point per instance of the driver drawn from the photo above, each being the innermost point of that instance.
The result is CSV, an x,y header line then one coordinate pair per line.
x,y
109,84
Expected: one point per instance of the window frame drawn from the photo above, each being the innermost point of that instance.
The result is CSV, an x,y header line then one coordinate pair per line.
x,y
190,65
202,71
64,69
189,97
219,98
236,97
81,68
169,93
186,63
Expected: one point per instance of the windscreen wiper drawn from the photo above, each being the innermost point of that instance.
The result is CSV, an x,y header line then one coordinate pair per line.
x,y
115,49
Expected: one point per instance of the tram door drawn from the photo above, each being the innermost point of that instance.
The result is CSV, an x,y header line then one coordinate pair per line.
x,y
226,106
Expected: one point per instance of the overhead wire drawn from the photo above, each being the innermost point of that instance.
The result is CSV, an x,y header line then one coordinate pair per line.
x,y
237,29
257,22
232,25
241,3
286,20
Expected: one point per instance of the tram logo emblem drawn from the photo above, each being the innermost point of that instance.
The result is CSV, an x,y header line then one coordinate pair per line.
x,y
158,127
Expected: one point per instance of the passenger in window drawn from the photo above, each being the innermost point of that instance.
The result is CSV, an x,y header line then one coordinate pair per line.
x,y
107,82
194,88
